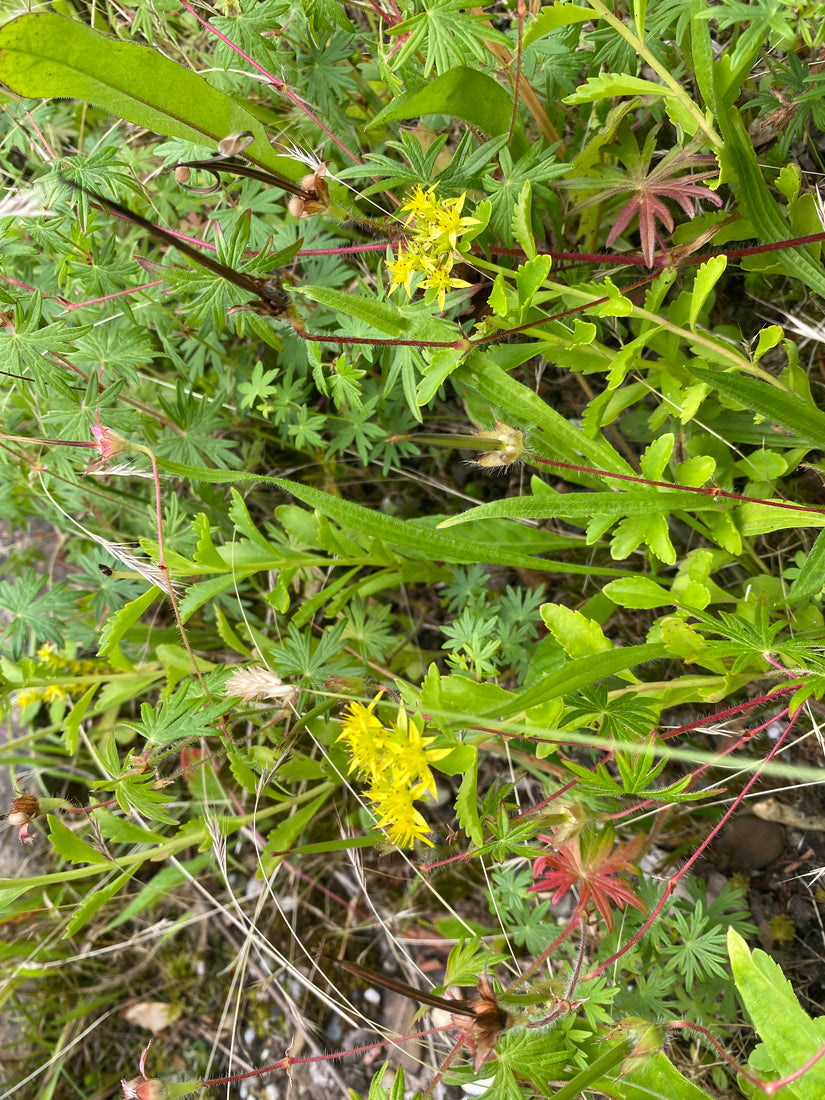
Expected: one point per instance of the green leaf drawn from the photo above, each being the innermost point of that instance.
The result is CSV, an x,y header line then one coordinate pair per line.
x,y
651,1076
464,93
180,716
794,413
116,626
608,85
466,804
576,634
811,576
70,846
554,16
584,506
407,536
761,208
94,901
441,365
523,227
525,409
577,674
284,836
530,277
638,592
707,276
45,56
789,1035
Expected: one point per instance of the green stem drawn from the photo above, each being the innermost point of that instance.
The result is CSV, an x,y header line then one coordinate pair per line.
x,y
663,74
596,1070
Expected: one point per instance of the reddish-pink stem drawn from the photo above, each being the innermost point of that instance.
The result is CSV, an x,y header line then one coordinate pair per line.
x,y
283,88
714,492
674,879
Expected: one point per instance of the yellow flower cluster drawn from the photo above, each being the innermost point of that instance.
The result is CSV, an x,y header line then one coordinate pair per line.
x,y
394,761
434,226
57,665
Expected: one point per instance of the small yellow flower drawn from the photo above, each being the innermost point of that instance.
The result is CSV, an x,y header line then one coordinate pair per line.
x,y
441,281
47,654
406,265
29,695
420,204
448,225
393,802
409,756
364,735
52,693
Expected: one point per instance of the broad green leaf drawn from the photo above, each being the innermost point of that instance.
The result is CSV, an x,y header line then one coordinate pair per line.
x,y
638,592
576,634
651,1076
464,93
554,16
122,831
46,56
530,277
441,365
768,338
798,416
789,1035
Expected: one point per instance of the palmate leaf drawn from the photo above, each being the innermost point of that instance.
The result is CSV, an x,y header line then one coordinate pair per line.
x,y
35,616
449,33
181,716
25,344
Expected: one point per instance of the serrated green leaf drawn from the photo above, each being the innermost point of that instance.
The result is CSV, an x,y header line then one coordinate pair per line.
x,y
466,804
70,846
94,901
523,226
707,276
788,1033
575,633
116,626
608,85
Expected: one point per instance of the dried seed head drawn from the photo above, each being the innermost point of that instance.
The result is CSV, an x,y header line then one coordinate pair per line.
x,y
183,173
250,684
315,199
509,446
